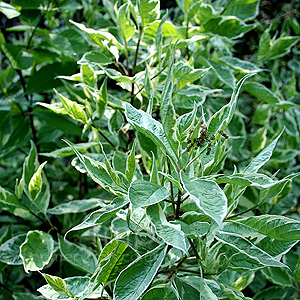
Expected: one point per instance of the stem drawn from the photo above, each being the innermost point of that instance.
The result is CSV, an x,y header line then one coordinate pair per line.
x,y
126,58
104,136
30,109
150,79
185,198
6,288
171,188
194,249
37,25
37,216
187,36
242,212
177,213
20,109
119,68
176,267
134,63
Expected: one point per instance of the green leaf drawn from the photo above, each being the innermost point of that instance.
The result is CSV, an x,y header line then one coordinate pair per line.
x,y
232,293
141,243
172,179
9,202
260,92
247,248
192,289
262,157
280,47
144,193
58,285
8,10
116,121
29,167
39,190
110,261
151,33
243,9
276,248
111,255
276,227
154,171
130,165
206,12
10,250
259,139
184,72
274,293
220,70
18,56
67,151
227,26
221,119
98,35
46,78
101,100
208,197
142,122
75,206
239,65
264,43
116,75
135,279
25,296
78,256
186,122
35,183
159,44
248,179
75,110
101,215
162,291
262,114
169,232
125,23
195,229
99,173
88,75
149,11
60,122
296,272
75,285
95,58
278,276
37,250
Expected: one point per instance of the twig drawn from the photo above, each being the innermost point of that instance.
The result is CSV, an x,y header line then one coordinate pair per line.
x,y
150,79
104,136
194,249
242,212
134,63
177,213
37,25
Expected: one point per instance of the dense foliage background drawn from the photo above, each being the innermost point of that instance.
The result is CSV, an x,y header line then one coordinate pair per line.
x,y
160,102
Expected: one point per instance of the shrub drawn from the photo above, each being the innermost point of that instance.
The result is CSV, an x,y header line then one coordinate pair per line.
x,y
185,128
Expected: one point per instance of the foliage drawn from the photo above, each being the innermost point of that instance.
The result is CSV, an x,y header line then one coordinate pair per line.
x,y
149,153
